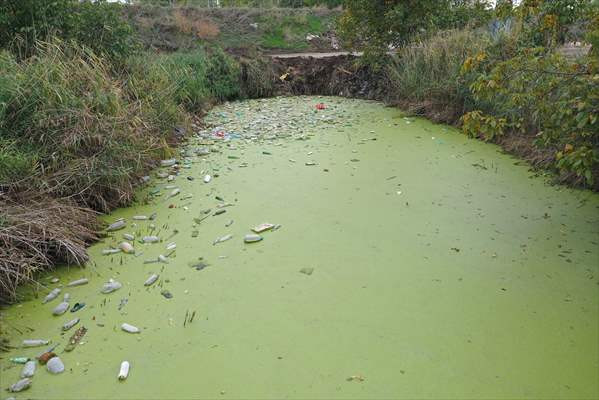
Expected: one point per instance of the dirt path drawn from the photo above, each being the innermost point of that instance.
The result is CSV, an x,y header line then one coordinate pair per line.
x,y
317,55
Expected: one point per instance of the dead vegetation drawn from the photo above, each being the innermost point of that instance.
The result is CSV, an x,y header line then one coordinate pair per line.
x,y
202,28
36,234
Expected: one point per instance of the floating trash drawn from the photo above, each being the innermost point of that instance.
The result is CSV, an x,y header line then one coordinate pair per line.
x,y
44,357
111,286
124,371
162,259
127,248
115,226
20,385
51,296
252,238
61,308
75,339
70,324
174,192
200,266
166,294
150,281
19,360
207,179
168,163
222,239
128,236
130,328
77,306
78,282
123,303
140,217
34,342
28,369
356,378
307,271
171,246
150,239
55,365
263,227
107,252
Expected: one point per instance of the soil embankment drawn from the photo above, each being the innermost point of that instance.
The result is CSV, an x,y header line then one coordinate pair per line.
x,y
333,76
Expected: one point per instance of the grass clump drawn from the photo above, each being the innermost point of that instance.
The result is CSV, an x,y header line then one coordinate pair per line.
x,y
91,134
201,77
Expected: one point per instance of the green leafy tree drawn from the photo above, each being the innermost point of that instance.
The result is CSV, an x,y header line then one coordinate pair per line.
x,y
523,87
376,25
31,20
94,24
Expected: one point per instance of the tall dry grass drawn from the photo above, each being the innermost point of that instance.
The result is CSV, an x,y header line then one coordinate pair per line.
x,y
187,23
426,79
36,234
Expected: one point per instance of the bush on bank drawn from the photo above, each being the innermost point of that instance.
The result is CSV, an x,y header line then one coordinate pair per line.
x,y
509,84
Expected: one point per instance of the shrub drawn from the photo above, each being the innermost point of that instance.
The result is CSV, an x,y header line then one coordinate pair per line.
x,y
545,95
202,77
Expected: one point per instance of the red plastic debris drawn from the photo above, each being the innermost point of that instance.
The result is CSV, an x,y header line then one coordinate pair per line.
x,y
320,106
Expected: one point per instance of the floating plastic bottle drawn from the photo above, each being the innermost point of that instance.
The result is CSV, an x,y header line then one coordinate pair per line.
x,y
150,281
28,369
78,282
51,296
130,328
55,365
111,286
124,371
115,226
20,385
34,342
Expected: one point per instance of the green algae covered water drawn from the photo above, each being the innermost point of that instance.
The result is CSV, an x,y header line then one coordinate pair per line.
x,y
410,262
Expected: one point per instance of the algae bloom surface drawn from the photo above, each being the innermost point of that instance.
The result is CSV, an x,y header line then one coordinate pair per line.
x,y
403,260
